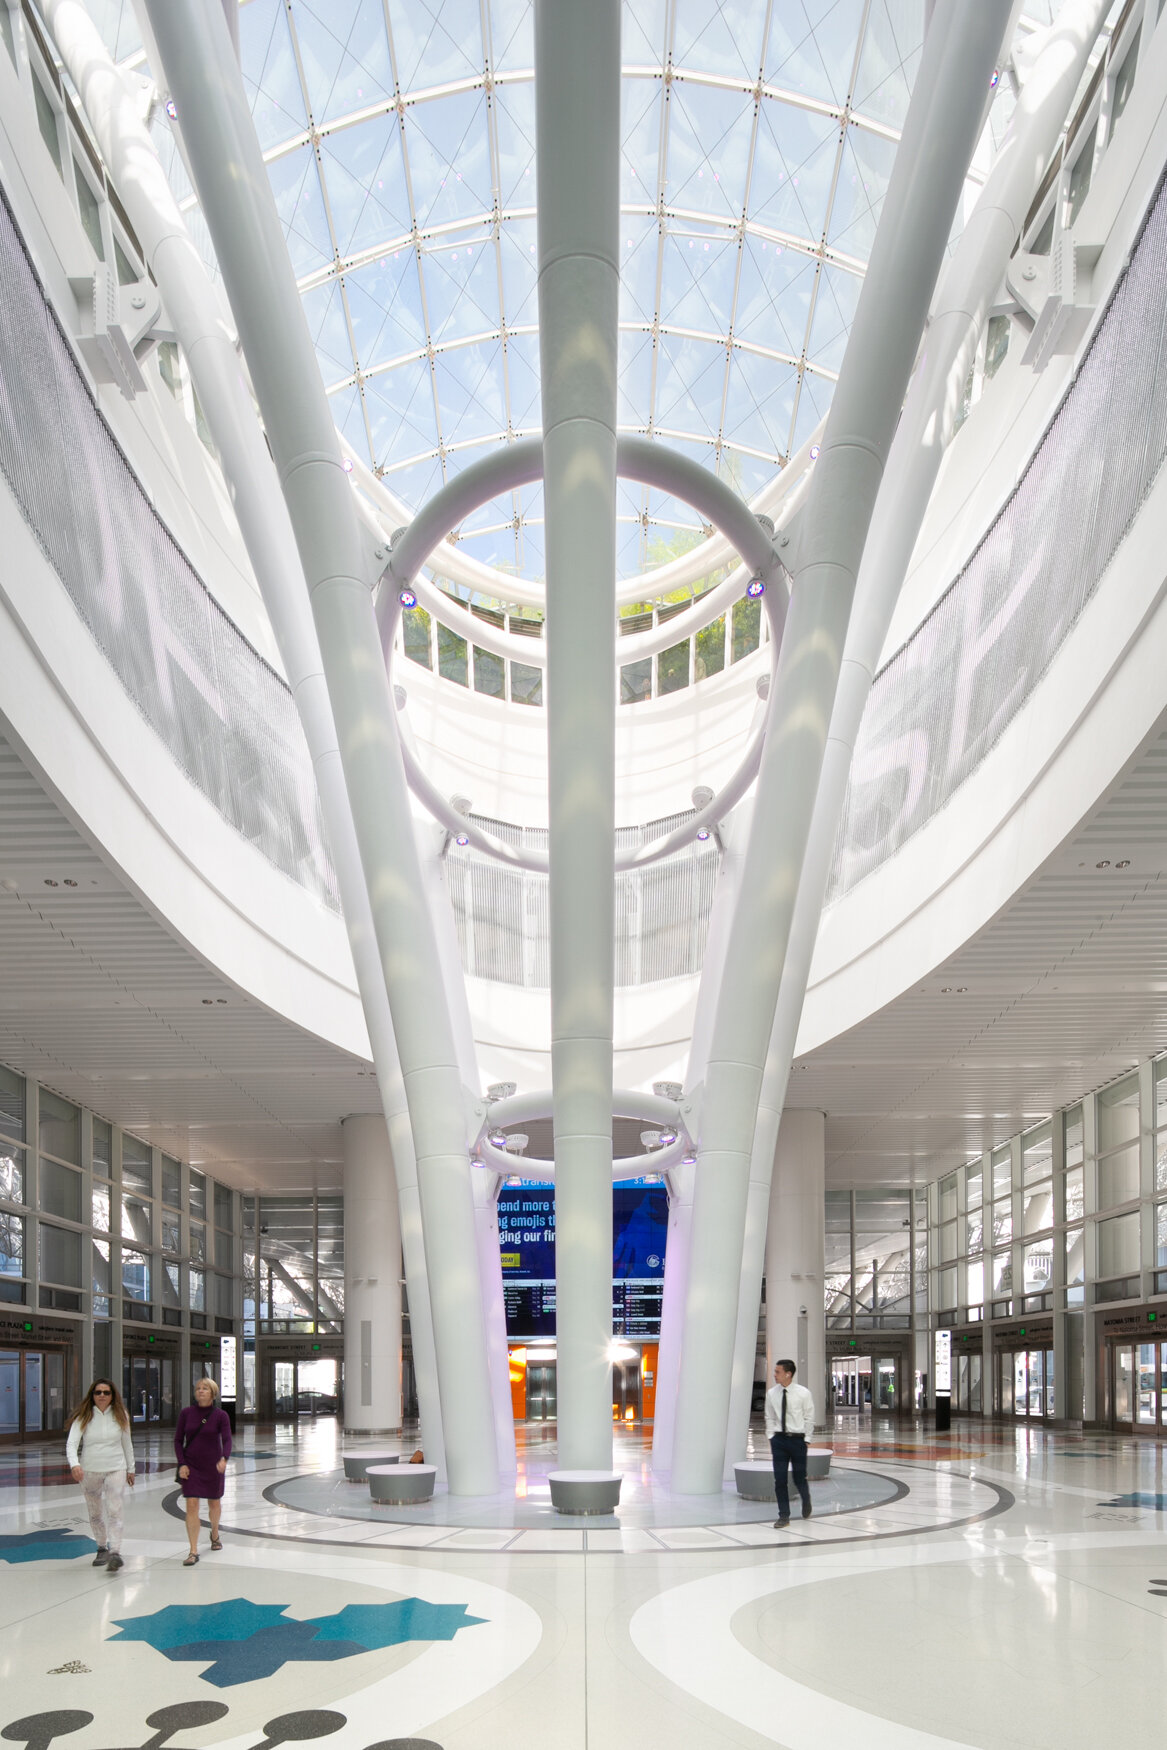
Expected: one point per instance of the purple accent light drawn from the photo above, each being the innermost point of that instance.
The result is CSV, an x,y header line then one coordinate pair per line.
x,y
407,598
755,587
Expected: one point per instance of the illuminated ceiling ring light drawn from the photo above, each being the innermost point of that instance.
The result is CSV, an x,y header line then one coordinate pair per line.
x,y
520,464
666,1144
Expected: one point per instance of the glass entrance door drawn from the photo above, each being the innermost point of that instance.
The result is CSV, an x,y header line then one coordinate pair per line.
x,y
885,1383
1138,1386
851,1377
9,1394
32,1393
1123,1394
316,1387
626,1391
541,1391
148,1388
1027,1383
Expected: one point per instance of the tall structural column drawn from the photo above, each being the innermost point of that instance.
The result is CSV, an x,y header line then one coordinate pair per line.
x,y
961,307
113,110
577,122
372,1279
734,835
931,162
237,202
796,1253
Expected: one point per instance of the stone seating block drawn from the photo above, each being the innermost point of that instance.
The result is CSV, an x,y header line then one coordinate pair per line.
x,y
755,1477
585,1491
402,1484
357,1463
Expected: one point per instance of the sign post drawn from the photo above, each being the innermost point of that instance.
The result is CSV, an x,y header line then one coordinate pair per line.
x,y
943,1381
228,1372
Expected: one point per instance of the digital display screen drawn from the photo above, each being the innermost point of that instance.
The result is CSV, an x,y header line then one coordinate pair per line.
x,y
526,1230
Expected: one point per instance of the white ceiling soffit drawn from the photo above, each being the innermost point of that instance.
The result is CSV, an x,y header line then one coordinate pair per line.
x,y
1059,994
101,1003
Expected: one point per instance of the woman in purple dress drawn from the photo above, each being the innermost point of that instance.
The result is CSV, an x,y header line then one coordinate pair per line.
x,y
202,1445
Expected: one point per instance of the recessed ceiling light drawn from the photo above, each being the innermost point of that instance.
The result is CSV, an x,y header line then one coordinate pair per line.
x,y
1105,863
1124,864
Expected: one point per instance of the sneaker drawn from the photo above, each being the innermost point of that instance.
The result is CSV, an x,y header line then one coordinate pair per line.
x,y
113,1563
781,1525
101,1558
806,1509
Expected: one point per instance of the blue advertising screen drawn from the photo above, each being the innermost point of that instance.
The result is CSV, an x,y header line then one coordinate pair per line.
x,y
526,1227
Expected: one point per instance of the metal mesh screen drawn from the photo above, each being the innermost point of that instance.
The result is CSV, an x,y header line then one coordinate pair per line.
x,y
662,911
226,718
948,695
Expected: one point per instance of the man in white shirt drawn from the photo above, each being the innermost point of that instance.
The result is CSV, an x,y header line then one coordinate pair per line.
x,y
789,1425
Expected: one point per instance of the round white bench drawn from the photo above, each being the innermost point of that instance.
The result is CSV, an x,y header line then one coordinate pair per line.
x,y
356,1464
585,1491
755,1476
402,1484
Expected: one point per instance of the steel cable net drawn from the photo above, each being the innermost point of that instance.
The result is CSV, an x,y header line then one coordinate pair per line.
x,y
227,719
948,695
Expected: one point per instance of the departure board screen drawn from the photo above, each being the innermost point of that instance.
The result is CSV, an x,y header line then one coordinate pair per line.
x,y
526,1227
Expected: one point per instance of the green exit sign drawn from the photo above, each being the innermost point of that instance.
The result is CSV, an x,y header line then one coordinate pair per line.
x,y
1152,1318
28,1324
315,1345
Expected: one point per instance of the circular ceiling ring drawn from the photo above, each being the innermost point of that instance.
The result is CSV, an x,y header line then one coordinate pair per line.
x,y
520,464
660,1160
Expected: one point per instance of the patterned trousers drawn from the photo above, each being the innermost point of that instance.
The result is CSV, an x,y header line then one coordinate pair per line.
x,y
105,1493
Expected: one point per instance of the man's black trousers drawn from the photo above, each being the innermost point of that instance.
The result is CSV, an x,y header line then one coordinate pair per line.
x,y
789,1449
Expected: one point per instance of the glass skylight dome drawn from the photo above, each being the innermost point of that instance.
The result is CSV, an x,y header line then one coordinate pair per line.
x,y
758,140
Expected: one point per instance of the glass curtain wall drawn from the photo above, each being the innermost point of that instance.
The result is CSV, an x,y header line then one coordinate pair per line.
x,y
876,1269
1068,1215
293,1265
101,1227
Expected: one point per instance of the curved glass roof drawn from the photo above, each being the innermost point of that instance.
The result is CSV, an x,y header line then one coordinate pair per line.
x,y
757,144
758,139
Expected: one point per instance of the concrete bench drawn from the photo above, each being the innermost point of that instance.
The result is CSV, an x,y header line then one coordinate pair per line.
x,y
755,1476
403,1484
585,1491
356,1464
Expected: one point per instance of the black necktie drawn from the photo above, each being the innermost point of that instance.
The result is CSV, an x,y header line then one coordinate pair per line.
x,y
783,1429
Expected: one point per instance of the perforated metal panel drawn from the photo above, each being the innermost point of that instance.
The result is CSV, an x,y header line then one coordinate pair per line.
x,y
662,912
226,718
945,699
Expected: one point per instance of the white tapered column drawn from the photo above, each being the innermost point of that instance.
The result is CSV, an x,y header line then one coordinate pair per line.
x,y
237,202
372,1279
577,117
930,166
963,300
795,1253
113,109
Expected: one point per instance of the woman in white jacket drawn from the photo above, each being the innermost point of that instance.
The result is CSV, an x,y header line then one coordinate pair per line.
x,y
101,1457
